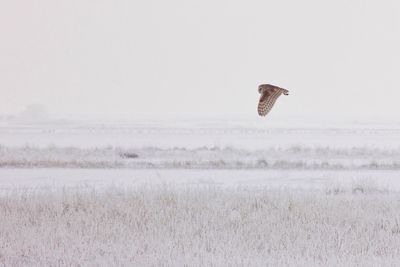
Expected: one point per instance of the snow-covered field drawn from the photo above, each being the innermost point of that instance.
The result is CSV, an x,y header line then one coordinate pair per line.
x,y
163,226
199,193
292,157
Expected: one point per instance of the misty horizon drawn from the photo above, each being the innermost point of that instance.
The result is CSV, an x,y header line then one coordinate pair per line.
x,y
339,59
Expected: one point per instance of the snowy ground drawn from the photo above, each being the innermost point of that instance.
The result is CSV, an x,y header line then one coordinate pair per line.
x,y
283,158
219,192
162,226
29,180
189,134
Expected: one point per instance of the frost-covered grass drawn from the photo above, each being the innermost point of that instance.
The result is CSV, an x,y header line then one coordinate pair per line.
x,y
215,157
164,226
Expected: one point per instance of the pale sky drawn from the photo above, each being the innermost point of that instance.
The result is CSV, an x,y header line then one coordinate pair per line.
x,y
338,58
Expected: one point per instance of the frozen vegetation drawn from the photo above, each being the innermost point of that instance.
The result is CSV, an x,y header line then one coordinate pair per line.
x,y
292,157
162,226
221,193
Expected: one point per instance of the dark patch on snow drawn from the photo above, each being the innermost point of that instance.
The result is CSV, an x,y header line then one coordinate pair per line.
x,y
129,155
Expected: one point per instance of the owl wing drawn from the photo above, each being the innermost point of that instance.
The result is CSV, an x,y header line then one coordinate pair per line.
x,y
267,101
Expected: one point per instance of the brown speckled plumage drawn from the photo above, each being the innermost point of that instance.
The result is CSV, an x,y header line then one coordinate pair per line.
x,y
269,95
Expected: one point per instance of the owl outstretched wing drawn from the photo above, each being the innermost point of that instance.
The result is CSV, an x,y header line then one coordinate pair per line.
x,y
269,95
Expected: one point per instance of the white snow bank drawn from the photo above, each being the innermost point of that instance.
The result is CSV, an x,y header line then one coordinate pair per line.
x,y
195,134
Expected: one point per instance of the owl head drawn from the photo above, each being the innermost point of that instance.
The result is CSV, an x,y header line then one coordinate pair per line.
x,y
272,88
260,87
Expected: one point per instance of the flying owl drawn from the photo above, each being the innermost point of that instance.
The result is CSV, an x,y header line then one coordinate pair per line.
x,y
269,95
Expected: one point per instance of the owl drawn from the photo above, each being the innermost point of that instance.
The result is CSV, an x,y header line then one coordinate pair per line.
x,y
269,95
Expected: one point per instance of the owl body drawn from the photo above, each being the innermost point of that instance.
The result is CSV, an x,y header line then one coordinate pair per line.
x,y
269,95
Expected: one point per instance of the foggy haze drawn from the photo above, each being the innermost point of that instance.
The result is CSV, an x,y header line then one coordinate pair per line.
x,y
338,59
